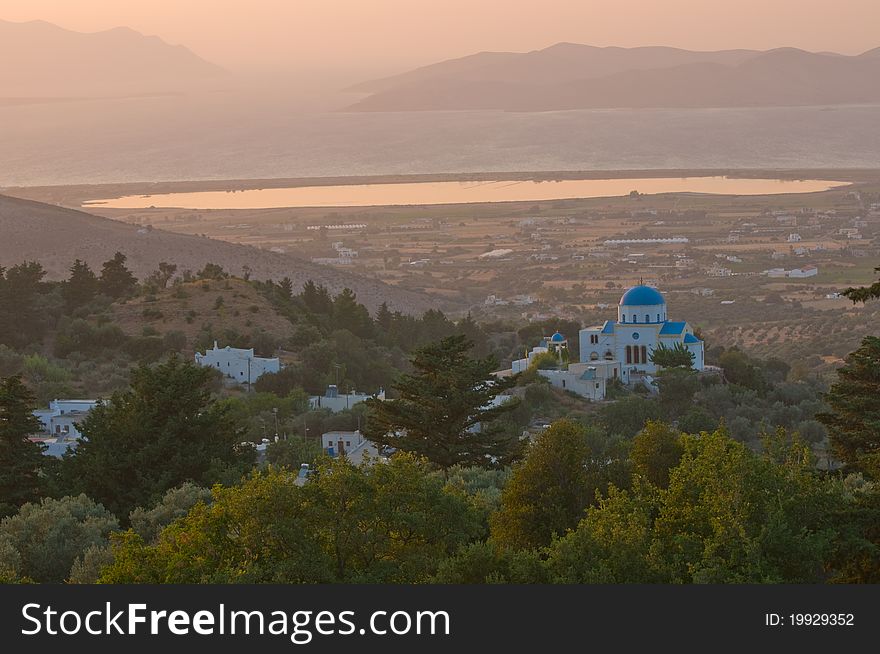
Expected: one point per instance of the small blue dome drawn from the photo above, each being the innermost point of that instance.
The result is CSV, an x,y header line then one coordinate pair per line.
x,y
641,296
557,338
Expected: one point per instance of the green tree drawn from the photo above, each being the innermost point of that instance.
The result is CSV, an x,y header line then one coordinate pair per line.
x,y
292,453
286,288
22,321
212,271
176,503
853,420
677,356
727,516
613,543
117,281
628,415
80,288
384,318
162,275
549,490
864,293
21,460
443,410
162,432
388,523
677,388
49,536
731,516
349,314
655,451
316,298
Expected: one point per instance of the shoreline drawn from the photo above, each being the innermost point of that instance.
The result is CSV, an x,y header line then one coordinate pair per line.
x,y
77,194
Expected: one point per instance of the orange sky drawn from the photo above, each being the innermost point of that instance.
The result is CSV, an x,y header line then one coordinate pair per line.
x,y
397,34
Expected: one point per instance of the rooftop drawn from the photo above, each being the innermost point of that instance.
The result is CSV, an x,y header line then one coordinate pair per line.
x,y
642,295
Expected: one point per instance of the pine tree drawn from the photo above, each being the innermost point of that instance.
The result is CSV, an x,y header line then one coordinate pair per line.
x,y
21,320
286,288
864,293
442,411
165,430
349,314
117,281
20,459
854,420
317,298
384,318
81,287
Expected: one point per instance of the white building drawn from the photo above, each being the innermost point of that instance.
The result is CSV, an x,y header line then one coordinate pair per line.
x,y
236,364
642,326
588,380
61,419
60,424
806,271
341,442
794,238
335,402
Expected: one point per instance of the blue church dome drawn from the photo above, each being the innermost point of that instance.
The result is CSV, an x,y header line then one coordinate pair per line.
x,y
557,338
641,295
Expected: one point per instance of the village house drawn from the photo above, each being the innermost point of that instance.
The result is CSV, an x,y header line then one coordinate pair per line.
x,y
237,365
335,402
60,424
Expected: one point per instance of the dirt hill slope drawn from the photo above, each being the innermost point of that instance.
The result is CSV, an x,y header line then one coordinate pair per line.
x,y
55,236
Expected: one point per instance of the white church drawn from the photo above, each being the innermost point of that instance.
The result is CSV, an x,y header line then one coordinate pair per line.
x,y
619,349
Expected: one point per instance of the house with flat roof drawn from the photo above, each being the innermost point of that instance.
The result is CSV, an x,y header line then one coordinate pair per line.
x,y
237,365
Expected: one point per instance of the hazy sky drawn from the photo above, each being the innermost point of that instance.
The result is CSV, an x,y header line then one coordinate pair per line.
x,y
396,34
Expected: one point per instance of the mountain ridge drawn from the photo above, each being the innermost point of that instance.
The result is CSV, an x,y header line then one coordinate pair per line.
x,y
572,76
38,58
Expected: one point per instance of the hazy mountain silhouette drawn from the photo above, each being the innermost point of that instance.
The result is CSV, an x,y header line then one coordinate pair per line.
x,y
39,59
571,76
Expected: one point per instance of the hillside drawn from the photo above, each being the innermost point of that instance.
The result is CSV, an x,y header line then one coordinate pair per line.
x,y
56,236
192,305
39,59
570,76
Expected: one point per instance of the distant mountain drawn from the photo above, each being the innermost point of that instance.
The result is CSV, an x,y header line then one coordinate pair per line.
x,y
55,236
39,59
571,76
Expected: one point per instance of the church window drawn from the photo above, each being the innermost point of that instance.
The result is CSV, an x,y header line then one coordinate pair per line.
x,y
594,356
636,354
629,353
658,317
635,318
609,355
647,318
644,354
563,383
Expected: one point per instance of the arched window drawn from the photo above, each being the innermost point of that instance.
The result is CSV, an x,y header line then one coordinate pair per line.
x,y
609,355
647,318
629,358
636,354
658,317
623,318
635,318
644,354
594,356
